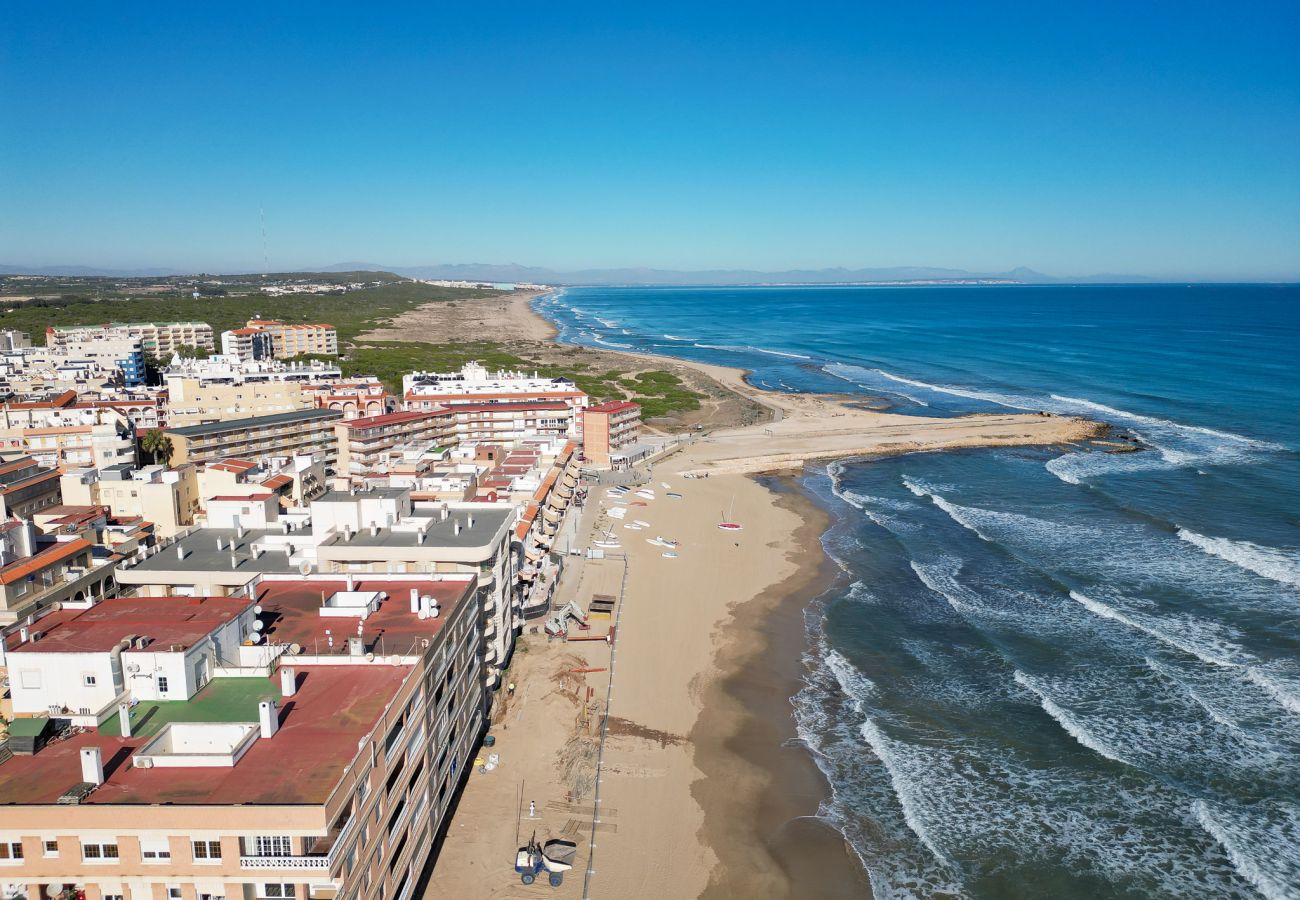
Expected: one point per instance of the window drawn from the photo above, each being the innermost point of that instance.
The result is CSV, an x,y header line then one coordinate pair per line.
x,y
162,684
11,850
155,850
30,678
273,845
89,680
99,852
173,893
51,848
275,890
207,850
112,896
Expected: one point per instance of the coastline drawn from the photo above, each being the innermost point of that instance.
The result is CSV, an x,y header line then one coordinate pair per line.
x,y
704,788
761,790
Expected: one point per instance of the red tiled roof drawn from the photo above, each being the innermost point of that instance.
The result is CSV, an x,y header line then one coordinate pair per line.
x,y
164,620
233,465
239,497
395,418
43,560
613,406
526,406
275,482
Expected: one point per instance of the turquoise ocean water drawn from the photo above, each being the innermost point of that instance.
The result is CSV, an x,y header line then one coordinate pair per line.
x,y
1042,675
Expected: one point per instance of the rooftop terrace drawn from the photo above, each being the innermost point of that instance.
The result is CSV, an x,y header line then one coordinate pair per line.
x,y
320,727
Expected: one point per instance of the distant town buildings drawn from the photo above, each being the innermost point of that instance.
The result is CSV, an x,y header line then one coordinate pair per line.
x,y
158,339
287,340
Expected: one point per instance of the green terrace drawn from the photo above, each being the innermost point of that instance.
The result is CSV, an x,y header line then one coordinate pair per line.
x,y
220,700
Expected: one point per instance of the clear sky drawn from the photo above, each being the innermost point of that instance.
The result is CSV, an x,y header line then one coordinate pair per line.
x,y
1159,138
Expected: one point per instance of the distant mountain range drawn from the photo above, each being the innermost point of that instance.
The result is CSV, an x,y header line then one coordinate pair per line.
x,y
645,276
640,276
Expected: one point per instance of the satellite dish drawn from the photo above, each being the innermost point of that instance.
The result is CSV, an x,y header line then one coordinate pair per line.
x,y
370,657
257,610
304,567
258,625
53,891
133,668
295,649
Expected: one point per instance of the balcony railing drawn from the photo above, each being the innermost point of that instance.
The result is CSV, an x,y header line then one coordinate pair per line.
x,y
284,862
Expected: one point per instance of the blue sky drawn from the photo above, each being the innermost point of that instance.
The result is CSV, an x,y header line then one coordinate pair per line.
x,y
1075,139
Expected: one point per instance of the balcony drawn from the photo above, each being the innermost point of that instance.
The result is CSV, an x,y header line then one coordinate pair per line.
x,y
284,862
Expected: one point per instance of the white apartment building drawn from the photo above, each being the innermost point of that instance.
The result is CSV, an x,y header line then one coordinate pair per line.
x,y
474,384
160,339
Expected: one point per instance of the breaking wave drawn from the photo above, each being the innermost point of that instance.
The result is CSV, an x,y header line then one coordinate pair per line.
x,y
1270,562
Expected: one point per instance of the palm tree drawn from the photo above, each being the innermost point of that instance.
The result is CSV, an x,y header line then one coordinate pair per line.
x,y
157,443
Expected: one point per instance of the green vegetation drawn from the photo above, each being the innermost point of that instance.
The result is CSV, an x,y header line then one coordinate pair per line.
x,y
228,301
141,300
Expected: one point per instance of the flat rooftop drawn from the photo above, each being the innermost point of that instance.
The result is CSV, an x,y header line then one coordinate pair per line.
x,y
380,493
254,422
292,611
320,727
163,620
488,520
202,555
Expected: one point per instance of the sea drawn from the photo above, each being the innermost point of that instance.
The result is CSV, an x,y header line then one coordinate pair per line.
x,y
1042,673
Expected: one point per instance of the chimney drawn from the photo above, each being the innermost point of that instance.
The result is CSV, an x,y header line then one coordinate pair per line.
x,y
92,766
180,551
288,681
234,561
24,634
455,527
124,718
351,583
374,529
221,545
470,522
268,718
415,600
257,551
445,512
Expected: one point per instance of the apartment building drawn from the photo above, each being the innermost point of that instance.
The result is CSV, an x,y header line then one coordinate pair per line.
x,y
475,385
366,443
511,424
14,340
247,344
39,571
365,533
256,438
354,398
293,480
158,339
168,498
26,486
289,340
60,436
610,430
263,747
223,387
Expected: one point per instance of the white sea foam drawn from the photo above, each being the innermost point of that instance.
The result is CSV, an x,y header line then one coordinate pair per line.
x,y
779,353
1072,726
684,340
1271,562
599,340
861,377
1288,695
721,347
1214,652
1212,709
1261,842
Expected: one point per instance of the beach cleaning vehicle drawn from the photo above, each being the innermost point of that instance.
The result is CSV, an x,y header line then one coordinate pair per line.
x,y
555,857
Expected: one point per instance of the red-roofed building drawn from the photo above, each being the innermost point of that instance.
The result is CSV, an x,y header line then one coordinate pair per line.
x,y
297,770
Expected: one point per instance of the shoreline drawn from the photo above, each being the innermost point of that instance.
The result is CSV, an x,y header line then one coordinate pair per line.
x,y
705,789
756,769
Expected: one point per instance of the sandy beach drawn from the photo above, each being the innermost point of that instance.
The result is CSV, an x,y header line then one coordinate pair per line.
x,y
699,787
